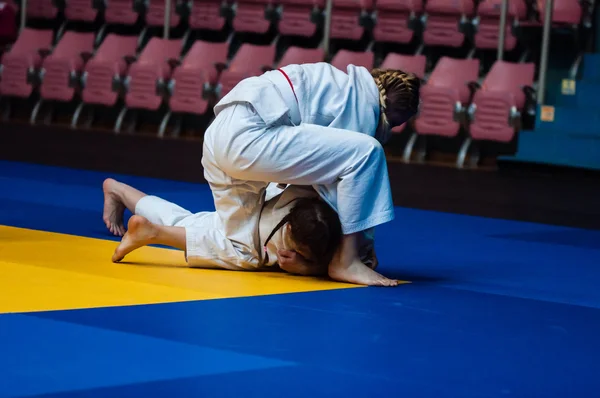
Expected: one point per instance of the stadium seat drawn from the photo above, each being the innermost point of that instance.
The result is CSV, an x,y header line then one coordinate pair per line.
x,y
22,63
495,113
155,14
195,79
253,16
444,100
80,10
41,9
443,22
120,12
565,12
343,58
103,79
148,77
300,17
395,20
487,23
8,24
63,67
349,18
297,55
250,60
208,14
408,63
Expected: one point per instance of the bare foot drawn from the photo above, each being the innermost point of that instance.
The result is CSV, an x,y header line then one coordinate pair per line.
x,y
141,232
360,274
113,208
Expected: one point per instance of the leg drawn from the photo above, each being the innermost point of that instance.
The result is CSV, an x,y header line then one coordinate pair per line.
x,y
142,232
241,152
118,196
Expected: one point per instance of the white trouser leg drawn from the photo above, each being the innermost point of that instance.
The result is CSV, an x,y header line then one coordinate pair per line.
x,y
161,212
348,169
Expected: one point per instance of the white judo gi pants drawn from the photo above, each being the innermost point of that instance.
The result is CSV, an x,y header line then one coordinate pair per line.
x,y
206,244
242,155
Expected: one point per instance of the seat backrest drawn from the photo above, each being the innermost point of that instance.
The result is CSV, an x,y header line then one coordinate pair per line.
x,y
454,73
508,76
456,7
251,56
116,47
343,58
297,55
159,50
30,40
493,8
565,11
408,63
399,5
73,43
354,4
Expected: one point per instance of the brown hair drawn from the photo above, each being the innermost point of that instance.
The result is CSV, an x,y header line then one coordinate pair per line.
x,y
398,90
317,227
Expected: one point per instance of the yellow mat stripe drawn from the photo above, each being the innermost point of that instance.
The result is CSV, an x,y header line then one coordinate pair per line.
x,y
49,271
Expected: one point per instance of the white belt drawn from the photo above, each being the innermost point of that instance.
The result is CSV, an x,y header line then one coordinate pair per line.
x,y
279,79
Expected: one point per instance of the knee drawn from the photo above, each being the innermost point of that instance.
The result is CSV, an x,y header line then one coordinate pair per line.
x,y
370,149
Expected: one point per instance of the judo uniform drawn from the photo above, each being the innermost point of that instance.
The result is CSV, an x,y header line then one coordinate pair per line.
x,y
311,125
206,244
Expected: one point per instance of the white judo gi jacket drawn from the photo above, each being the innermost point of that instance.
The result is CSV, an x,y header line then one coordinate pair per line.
x,y
310,125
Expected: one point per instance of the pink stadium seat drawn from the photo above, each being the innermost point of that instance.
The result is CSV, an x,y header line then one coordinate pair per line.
x,y
250,60
155,15
346,18
197,76
500,100
107,66
206,14
408,63
393,18
297,55
120,12
446,94
343,58
8,23
150,70
443,19
24,60
41,9
298,17
80,10
565,12
488,23
251,16
64,64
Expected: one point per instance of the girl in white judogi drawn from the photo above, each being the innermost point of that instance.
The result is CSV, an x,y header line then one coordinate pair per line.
x,y
315,125
298,232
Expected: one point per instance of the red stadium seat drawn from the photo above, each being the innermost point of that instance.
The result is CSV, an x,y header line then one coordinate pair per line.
x,y
252,16
105,73
120,12
495,112
346,17
80,10
207,14
343,58
487,23
443,20
297,55
444,100
300,17
149,76
250,60
21,65
393,20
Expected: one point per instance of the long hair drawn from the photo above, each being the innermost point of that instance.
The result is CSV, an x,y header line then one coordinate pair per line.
x,y
317,227
398,91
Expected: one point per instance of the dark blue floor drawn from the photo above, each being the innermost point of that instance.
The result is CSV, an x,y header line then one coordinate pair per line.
x,y
497,308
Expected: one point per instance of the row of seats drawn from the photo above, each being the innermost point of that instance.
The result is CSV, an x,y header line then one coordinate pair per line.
x,y
444,22
189,82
